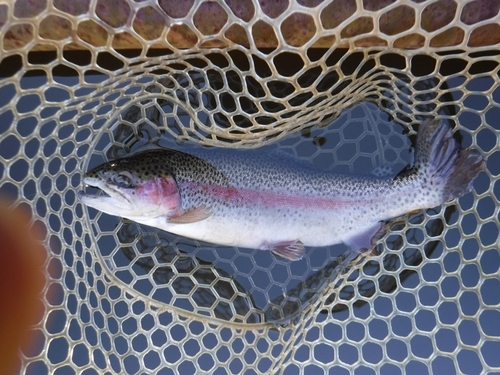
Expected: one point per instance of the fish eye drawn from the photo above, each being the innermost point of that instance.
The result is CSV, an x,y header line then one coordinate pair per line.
x,y
123,179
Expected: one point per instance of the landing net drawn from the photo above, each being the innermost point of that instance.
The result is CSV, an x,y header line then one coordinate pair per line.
x,y
342,85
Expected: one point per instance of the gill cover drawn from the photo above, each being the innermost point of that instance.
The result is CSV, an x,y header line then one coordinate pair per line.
x,y
133,189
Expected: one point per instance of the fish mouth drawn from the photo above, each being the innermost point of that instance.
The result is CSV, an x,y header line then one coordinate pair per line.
x,y
109,195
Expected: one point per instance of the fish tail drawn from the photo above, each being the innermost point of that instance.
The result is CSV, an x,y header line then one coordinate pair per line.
x,y
443,165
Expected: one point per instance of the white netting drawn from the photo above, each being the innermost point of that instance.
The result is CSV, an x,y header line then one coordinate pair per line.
x,y
341,84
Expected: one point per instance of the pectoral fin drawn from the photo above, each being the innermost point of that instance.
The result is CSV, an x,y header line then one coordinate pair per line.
x,y
191,216
365,240
291,250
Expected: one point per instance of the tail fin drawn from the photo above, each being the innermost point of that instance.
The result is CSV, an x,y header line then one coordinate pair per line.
x,y
440,160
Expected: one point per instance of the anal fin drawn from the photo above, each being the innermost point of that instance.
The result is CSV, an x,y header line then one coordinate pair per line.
x,y
291,250
190,216
365,240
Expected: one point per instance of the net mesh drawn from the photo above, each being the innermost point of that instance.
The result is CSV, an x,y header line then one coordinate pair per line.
x,y
342,85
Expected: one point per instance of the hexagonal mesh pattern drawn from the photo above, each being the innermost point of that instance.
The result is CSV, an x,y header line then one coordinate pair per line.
x,y
342,85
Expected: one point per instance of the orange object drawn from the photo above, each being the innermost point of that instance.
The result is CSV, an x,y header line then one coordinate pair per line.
x,y
21,282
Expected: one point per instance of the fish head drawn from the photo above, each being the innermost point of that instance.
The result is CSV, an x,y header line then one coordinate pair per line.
x,y
135,188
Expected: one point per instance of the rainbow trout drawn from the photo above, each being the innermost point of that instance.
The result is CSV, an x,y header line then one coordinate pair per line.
x,y
272,202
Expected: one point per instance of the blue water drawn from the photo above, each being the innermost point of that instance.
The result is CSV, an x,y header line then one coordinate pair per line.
x,y
324,148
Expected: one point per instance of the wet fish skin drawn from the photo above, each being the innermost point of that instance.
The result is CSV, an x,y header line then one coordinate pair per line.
x,y
272,202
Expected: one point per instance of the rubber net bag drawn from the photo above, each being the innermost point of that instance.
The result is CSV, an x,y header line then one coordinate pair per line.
x,y
342,85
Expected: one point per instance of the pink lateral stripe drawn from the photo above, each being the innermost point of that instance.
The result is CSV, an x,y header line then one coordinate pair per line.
x,y
270,198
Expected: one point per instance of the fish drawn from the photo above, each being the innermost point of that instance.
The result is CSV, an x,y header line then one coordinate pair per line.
x,y
271,201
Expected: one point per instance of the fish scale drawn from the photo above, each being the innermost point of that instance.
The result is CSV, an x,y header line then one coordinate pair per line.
x,y
273,202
